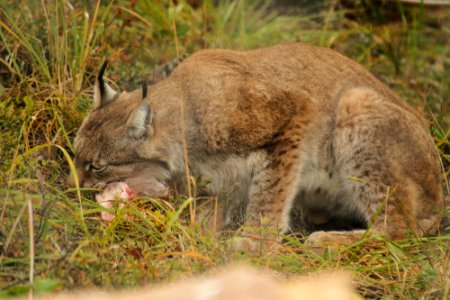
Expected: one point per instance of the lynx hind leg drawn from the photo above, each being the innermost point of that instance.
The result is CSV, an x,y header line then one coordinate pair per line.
x,y
388,164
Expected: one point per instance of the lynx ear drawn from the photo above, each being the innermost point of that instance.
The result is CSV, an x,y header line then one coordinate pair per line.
x,y
140,119
103,93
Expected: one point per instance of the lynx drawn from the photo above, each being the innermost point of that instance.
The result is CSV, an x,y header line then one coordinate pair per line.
x,y
293,137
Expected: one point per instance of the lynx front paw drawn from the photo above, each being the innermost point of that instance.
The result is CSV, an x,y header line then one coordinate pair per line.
x,y
246,245
321,241
255,244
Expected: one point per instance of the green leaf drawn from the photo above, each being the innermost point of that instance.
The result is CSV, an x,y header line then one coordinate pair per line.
x,y
46,285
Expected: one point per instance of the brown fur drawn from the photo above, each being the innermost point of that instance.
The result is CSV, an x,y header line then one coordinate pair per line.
x,y
295,135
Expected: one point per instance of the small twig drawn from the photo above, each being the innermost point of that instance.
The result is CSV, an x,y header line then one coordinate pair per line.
x,y
216,203
185,147
386,209
45,204
13,229
31,233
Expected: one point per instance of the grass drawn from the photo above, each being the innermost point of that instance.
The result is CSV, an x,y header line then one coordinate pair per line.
x,y
49,54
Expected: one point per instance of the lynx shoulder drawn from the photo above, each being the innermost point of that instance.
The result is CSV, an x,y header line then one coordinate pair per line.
x,y
293,135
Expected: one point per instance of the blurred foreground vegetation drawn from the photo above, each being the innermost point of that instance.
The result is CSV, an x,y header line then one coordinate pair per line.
x,y
50,52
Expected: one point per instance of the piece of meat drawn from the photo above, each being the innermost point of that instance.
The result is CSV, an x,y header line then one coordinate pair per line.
x,y
126,191
114,191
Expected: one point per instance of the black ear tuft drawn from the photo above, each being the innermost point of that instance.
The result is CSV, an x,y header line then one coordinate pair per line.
x,y
144,88
101,82
103,93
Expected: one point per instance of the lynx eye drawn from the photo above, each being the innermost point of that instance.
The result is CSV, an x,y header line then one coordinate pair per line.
x,y
95,168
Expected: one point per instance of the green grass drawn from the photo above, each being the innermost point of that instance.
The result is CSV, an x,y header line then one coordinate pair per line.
x,y
49,55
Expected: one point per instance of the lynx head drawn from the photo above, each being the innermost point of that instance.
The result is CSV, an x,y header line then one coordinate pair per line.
x,y
115,140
